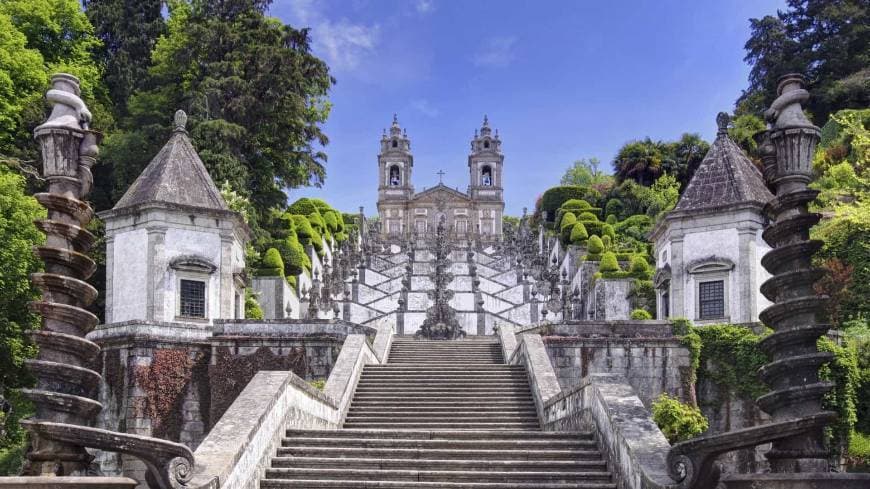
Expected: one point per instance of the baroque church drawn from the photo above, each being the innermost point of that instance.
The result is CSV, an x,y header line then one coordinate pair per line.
x,y
475,213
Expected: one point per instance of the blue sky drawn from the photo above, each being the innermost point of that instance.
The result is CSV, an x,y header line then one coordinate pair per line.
x,y
560,80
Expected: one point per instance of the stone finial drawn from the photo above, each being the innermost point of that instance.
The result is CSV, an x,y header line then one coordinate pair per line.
x,y
722,121
786,111
395,119
68,110
485,121
180,121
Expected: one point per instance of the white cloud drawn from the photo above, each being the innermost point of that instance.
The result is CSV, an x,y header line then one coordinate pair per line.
x,y
496,52
425,6
424,107
343,43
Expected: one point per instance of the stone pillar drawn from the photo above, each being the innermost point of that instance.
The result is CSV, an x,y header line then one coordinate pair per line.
x,y
747,283
110,275
227,283
678,279
155,280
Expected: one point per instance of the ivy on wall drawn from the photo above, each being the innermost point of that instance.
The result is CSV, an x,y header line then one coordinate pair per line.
x,y
164,382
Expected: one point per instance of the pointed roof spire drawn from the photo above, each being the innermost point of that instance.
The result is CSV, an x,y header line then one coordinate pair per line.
x,y
726,176
485,130
485,121
395,129
175,175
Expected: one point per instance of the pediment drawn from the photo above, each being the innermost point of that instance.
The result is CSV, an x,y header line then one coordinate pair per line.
x,y
441,193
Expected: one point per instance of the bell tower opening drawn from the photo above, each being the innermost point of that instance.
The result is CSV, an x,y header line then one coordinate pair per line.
x,y
395,176
486,176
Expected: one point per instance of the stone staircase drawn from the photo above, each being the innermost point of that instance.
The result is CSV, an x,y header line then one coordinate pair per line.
x,y
440,414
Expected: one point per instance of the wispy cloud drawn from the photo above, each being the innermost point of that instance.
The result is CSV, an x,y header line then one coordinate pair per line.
x,y
424,107
343,43
496,52
425,6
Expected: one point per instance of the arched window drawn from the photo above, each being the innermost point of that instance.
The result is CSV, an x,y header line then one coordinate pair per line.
x,y
395,143
395,176
486,144
486,176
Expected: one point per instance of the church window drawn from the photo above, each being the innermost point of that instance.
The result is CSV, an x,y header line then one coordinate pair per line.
x,y
666,304
486,144
711,299
395,143
395,176
486,176
461,226
420,225
192,298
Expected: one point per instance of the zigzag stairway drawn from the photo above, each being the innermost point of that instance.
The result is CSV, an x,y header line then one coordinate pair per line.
x,y
440,414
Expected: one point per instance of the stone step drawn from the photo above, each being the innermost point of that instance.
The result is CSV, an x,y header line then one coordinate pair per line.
x,y
368,484
439,464
320,473
447,404
405,384
459,453
388,367
440,418
441,435
404,413
448,425
456,398
445,389
448,442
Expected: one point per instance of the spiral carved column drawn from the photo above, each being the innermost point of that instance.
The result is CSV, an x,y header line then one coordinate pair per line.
x,y
792,374
65,383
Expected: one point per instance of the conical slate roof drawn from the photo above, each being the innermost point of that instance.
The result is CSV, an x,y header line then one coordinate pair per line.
x,y
175,176
725,177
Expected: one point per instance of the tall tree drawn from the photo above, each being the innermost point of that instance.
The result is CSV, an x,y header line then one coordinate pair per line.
x,y
129,30
640,161
829,41
683,157
254,93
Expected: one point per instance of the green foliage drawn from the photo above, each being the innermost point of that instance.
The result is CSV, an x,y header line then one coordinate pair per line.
x,y
128,31
858,456
318,384
678,421
18,235
586,173
295,259
252,307
307,235
640,315
640,161
578,234
682,157
689,338
554,197
595,246
826,41
643,294
607,241
273,264
639,267
568,219
608,263
742,130
730,357
614,207
843,371
587,217
611,219
237,202
303,206
847,238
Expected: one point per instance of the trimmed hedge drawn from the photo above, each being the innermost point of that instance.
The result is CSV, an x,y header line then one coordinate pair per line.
x,y
273,264
640,315
608,263
578,234
303,207
555,197
595,246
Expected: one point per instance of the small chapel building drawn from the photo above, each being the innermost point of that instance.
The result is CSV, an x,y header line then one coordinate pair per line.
x,y
174,251
709,248
475,213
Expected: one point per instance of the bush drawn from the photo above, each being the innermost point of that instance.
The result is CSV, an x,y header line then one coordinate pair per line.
x,y
587,217
568,219
595,246
608,263
607,241
303,206
640,315
578,234
296,259
273,264
678,421
554,197
252,307
307,235
639,267
614,207
576,204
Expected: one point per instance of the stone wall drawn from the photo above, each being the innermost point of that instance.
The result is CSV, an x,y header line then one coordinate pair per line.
x,y
653,364
175,380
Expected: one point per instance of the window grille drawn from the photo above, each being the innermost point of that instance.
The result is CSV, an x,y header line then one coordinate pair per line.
x,y
711,299
192,298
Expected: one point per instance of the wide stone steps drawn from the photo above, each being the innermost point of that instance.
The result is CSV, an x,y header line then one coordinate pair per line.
x,y
440,414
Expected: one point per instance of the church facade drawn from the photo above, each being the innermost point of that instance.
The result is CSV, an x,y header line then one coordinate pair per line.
x,y
473,214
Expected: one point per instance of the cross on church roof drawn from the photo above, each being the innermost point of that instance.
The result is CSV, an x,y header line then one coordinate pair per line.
x,y
440,174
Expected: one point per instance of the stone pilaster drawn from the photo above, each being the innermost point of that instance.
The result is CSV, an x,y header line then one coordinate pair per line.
x,y
155,305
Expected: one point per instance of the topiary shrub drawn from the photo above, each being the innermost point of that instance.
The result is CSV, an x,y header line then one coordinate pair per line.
x,y
640,315
678,421
568,219
554,197
614,207
307,235
296,260
639,267
303,207
331,221
576,204
611,219
587,217
608,263
252,307
273,264
607,241
578,234
594,248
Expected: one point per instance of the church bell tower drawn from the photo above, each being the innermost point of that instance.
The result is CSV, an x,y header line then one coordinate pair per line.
x,y
395,165
485,186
